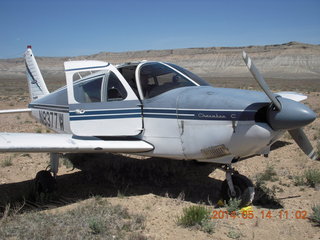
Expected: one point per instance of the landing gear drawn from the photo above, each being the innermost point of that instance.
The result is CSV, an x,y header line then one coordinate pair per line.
x,y
237,186
45,181
54,164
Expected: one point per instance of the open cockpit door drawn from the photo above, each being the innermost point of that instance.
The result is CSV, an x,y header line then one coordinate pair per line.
x,y
102,103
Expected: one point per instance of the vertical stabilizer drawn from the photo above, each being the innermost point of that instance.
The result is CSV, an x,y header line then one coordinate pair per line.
x,y
37,86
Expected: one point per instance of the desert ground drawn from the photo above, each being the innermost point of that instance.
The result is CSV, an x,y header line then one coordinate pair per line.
x,y
159,189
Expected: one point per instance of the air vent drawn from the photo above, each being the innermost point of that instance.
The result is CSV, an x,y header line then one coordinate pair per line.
x,y
215,152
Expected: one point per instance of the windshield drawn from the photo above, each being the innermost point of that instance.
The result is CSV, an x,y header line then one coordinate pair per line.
x,y
191,75
157,78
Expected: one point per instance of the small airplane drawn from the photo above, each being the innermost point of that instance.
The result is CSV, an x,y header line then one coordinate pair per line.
x,y
159,109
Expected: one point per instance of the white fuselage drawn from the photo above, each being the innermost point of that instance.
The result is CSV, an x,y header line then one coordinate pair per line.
x,y
207,140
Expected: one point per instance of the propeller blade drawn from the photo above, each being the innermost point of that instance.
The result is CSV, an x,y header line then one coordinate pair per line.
x,y
303,142
256,74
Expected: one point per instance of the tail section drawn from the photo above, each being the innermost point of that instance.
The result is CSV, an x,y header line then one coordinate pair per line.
x,y
37,86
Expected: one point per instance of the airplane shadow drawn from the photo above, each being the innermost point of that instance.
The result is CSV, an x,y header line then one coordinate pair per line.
x,y
279,144
109,175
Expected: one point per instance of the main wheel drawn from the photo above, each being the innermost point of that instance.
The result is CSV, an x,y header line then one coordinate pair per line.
x,y
44,182
243,187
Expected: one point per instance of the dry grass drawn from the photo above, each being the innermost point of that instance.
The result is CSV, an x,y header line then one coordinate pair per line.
x,y
97,219
7,162
311,178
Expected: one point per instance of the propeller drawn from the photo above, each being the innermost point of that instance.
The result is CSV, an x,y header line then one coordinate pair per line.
x,y
302,140
285,114
256,74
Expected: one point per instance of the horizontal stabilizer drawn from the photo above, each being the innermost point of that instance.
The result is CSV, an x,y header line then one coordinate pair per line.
x,y
67,143
298,97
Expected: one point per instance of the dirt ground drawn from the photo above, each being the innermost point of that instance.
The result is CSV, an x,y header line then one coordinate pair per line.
x,y
160,195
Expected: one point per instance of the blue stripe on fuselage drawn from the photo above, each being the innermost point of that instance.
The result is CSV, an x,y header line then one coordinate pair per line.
x,y
105,117
99,112
213,115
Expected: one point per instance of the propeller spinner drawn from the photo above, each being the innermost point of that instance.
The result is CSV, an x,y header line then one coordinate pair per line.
x,y
286,114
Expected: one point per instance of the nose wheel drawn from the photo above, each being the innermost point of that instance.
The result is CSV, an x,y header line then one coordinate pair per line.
x,y
237,186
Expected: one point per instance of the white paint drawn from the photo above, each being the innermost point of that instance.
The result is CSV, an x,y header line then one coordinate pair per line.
x,y
64,143
298,97
22,110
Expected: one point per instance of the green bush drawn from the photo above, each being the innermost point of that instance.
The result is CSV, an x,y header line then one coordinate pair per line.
x,y
193,215
198,216
233,205
312,177
268,175
96,226
315,216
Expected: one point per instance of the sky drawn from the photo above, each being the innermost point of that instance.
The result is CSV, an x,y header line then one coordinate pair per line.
x,y
83,27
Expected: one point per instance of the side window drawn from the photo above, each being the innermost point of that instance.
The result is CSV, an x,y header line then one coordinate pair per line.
x,y
115,89
88,91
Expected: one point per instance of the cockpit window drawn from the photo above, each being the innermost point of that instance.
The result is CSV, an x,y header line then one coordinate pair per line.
x,y
102,88
191,75
88,91
115,89
157,78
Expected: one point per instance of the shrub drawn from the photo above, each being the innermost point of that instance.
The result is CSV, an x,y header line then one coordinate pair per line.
x,y
96,219
315,216
6,162
266,196
268,175
96,226
67,163
312,177
233,205
207,226
193,215
233,234
198,216
299,180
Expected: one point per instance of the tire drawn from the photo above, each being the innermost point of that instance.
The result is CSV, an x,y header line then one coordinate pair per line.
x,y
244,190
44,182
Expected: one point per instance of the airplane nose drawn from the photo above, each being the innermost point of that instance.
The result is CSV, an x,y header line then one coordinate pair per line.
x,y
292,115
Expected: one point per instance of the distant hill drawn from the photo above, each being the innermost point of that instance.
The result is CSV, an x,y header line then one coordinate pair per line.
x,y
291,60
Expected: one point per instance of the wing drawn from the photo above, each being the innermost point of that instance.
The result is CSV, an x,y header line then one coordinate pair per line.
x,y
15,110
67,143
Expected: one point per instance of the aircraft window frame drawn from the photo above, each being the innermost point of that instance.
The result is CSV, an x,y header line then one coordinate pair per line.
x,y
108,83
119,91
191,75
147,90
128,73
77,76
